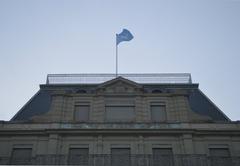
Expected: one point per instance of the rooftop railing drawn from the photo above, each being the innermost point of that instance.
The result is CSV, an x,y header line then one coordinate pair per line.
x,y
157,78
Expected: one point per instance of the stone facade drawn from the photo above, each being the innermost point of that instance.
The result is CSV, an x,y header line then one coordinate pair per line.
x,y
50,136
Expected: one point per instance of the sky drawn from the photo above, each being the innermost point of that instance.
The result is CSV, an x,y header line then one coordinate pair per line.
x,y
40,37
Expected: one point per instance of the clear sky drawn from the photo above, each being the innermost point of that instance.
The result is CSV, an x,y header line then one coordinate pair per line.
x,y
38,37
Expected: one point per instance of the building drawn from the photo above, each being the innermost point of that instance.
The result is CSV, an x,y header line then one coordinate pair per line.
x,y
132,119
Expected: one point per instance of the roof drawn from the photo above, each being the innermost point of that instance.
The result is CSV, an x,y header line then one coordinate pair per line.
x,y
199,103
37,105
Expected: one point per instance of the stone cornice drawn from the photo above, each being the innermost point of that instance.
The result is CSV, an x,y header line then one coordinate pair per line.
x,y
117,128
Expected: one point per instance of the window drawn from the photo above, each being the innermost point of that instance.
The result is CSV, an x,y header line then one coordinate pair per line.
x,y
21,156
220,156
120,157
78,156
162,157
81,113
158,112
120,113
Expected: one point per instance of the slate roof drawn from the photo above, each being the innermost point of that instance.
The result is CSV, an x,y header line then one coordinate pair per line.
x,y
37,105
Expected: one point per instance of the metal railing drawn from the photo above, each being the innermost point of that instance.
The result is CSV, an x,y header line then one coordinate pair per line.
x,y
124,160
169,78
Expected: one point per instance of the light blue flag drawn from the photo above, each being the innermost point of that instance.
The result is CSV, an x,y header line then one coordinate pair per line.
x,y
125,35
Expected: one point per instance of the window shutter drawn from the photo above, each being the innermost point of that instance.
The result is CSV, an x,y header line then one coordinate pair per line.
x,y
162,156
220,157
78,156
162,151
224,152
21,156
158,113
81,113
120,113
120,157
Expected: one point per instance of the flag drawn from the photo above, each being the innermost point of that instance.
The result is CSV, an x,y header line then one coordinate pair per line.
x,y
125,35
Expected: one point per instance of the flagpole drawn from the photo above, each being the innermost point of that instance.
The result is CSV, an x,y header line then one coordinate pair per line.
x,y
116,57
125,35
